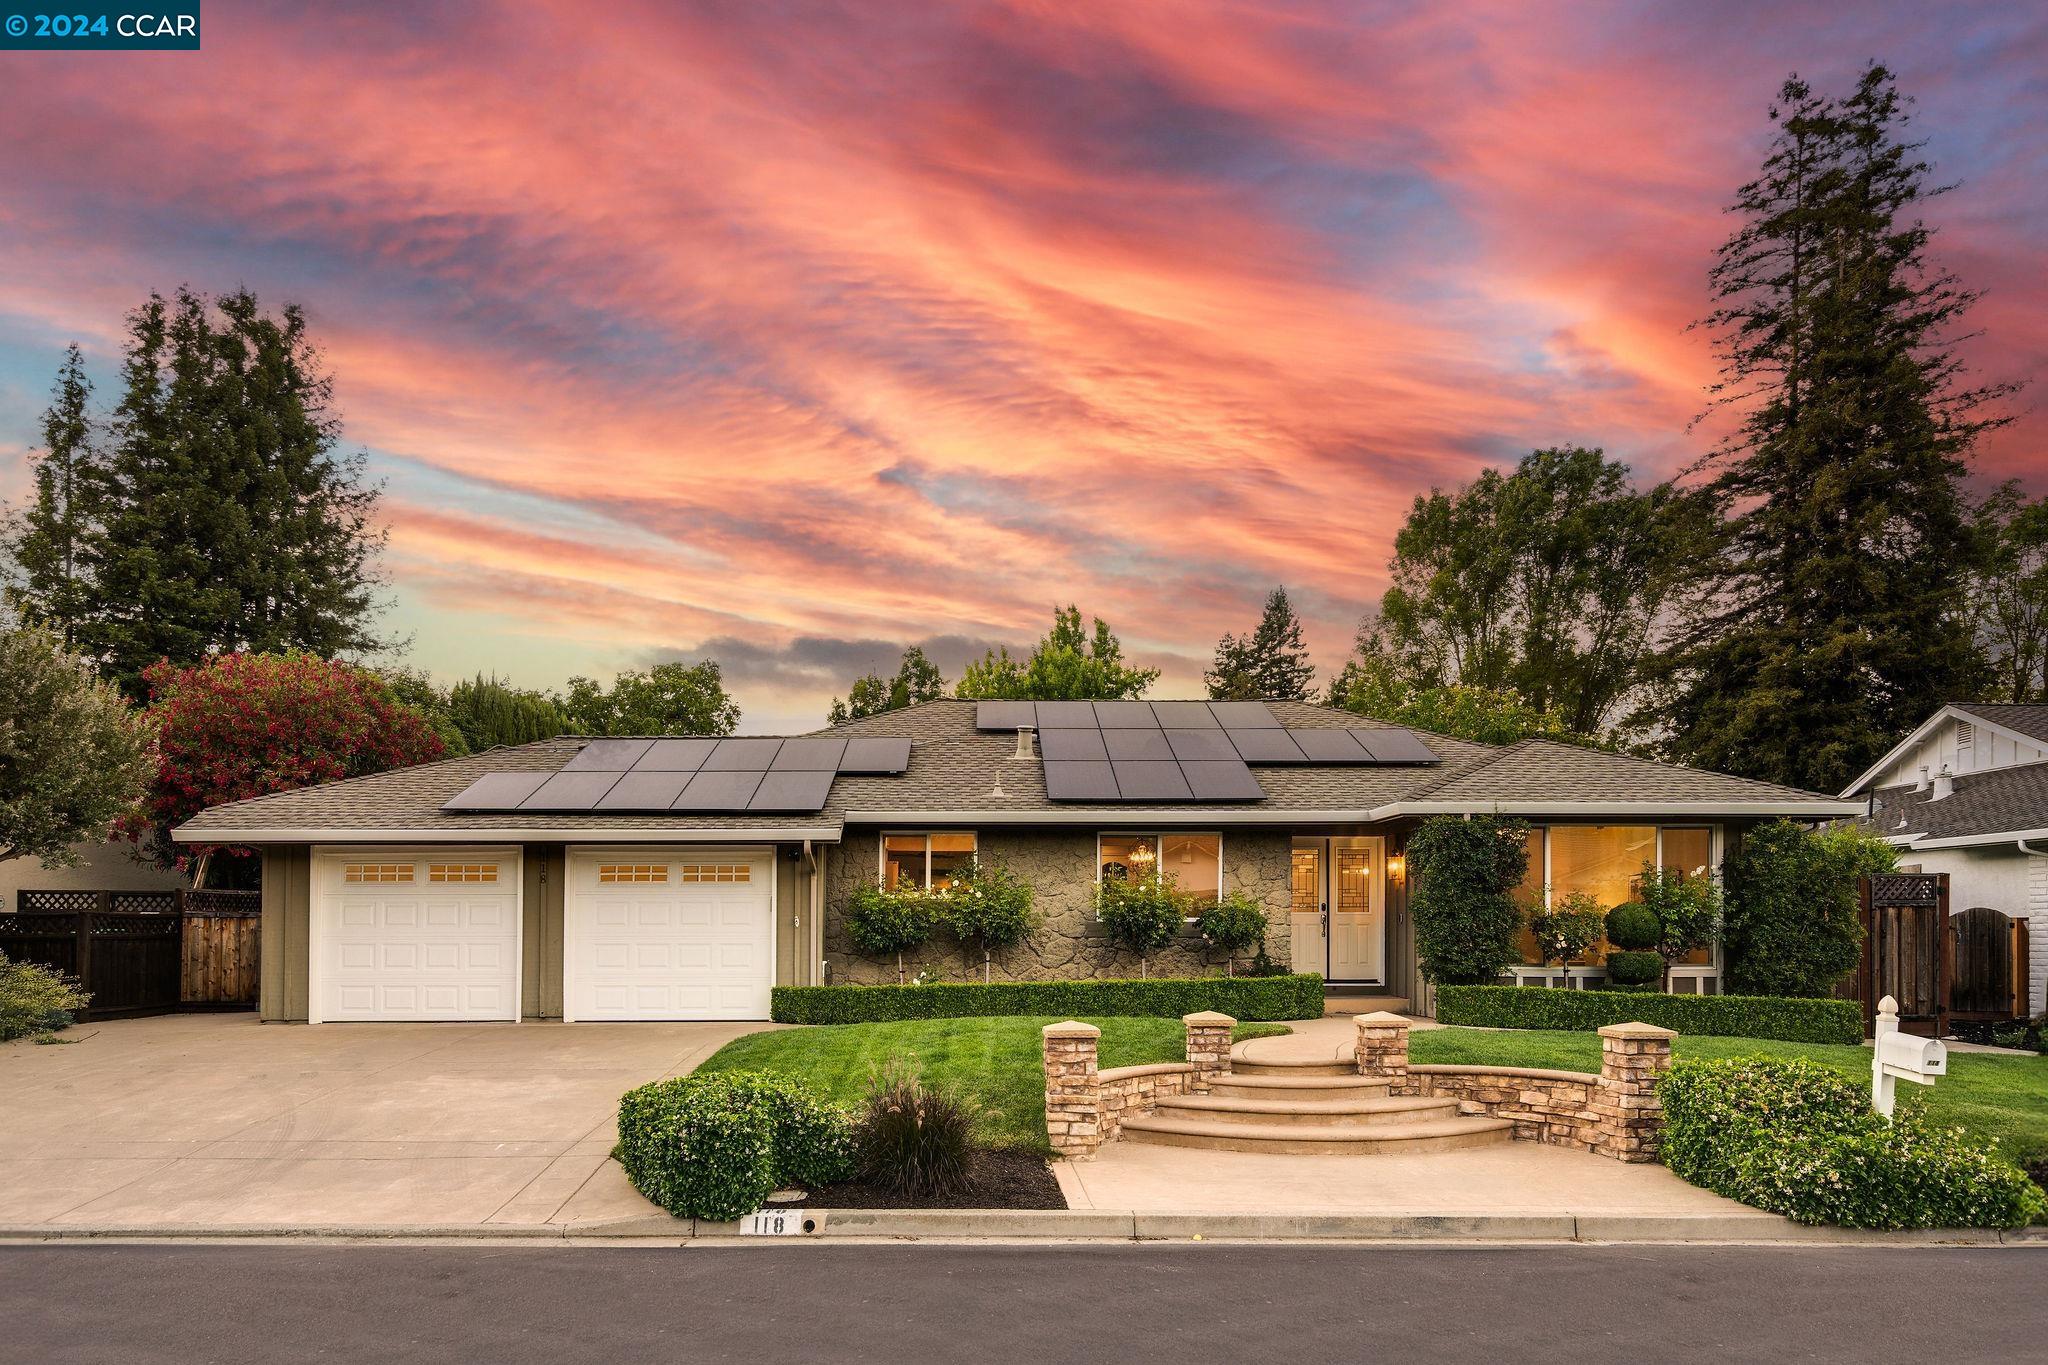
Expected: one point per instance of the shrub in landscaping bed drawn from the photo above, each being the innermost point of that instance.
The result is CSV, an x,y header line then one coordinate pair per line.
x,y
34,1000
716,1146
1634,969
1243,998
1795,1138
1793,1019
913,1139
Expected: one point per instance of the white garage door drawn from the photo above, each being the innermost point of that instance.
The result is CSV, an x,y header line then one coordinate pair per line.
x,y
657,935
400,935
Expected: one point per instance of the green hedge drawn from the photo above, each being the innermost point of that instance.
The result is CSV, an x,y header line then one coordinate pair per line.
x,y
716,1146
1792,1019
1795,1138
1246,999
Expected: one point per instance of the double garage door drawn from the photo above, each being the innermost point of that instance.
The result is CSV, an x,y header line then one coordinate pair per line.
x,y
647,934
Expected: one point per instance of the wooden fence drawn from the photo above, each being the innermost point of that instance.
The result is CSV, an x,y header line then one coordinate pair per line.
x,y
1939,966
143,952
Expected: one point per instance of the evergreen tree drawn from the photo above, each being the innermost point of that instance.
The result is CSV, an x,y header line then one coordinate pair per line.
x,y
226,520
2011,596
490,712
46,542
1068,664
1831,618
917,680
1272,661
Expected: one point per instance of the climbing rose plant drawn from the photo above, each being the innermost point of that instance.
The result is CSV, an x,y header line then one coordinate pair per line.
x,y
243,725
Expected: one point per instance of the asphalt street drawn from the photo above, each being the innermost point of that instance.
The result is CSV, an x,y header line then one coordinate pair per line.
x,y
1186,1304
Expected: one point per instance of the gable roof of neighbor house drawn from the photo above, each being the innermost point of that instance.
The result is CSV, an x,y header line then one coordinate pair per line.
x,y
1988,807
2019,720
958,773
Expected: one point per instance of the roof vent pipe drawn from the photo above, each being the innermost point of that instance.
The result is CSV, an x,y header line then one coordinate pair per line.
x,y
1921,785
1024,743
1944,784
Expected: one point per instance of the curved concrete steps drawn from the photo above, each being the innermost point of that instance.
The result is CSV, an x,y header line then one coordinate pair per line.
x,y
1216,1134
1300,1087
1388,1111
1293,1068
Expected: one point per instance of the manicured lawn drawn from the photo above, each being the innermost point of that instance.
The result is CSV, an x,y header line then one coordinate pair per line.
x,y
997,1061
1990,1096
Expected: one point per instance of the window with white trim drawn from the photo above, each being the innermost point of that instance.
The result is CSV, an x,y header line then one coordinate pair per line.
x,y
932,861
1193,860
1604,861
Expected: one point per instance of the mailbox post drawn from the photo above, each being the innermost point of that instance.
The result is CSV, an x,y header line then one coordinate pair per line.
x,y
1897,1056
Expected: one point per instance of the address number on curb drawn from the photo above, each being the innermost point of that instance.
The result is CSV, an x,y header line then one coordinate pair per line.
x,y
773,1223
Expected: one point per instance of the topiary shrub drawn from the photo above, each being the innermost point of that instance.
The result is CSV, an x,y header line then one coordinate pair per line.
x,y
1461,904
35,1000
880,921
1633,927
1687,907
1634,969
1790,925
913,1138
991,907
1567,929
1141,914
1233,924
717,1146
1795,1138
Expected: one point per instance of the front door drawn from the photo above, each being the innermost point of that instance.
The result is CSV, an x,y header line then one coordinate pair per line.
x,y
1339,909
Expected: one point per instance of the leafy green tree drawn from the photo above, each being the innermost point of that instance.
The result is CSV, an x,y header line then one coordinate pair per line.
x,y
1142,914
415,690
2011,596
1372,684
1068,664
989,906
1465,872
50,581
74,755
1687,904
490,712
917,680
1790,923
667,699
1545,583
1568,928
1272,661
1830,617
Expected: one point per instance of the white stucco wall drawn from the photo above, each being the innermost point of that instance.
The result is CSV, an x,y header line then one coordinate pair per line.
x,y
107,867
2005,879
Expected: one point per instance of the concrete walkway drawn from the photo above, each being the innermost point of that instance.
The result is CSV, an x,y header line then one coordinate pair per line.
x,y
214,1119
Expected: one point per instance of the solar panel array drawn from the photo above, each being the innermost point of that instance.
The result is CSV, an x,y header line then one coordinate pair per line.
x,y
693,774
1116,751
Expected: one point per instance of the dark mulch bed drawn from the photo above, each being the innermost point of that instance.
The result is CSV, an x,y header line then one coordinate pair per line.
x,y
1001,1180
2038,1172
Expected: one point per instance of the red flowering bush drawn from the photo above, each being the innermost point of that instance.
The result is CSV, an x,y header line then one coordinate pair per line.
x,y
243,725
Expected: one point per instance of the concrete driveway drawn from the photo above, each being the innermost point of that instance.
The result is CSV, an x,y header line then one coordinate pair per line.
x,y
218,1120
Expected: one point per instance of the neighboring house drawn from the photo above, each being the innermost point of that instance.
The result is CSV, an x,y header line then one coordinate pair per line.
x,y
679,878
102,867
1967,794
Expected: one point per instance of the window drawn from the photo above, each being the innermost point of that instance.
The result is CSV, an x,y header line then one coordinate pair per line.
x,y
1603,861
377,872
614,873
714,872
1194,862
932,861
462,872
1690,853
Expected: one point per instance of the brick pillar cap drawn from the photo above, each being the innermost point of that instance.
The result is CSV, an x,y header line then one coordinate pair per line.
x,y
1072,1028
1207,1017
1385,1019
1636,1030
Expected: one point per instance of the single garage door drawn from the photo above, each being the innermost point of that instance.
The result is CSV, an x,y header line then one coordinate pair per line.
x,y
400,935
657,935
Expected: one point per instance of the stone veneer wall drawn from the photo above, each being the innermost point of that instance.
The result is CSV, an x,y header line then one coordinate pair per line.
x,y
1084,1107
1068,944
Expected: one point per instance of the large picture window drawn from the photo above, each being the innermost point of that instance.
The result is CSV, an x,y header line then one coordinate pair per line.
x,y
929,861
1194,862
1603,861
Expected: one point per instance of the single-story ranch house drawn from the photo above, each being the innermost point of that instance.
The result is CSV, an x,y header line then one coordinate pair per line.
x,y
681,878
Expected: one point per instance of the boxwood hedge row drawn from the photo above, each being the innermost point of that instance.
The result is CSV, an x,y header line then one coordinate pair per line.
x,y
1789,1018
1245,998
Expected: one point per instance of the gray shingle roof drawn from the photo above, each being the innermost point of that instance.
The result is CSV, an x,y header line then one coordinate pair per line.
x,y
2029,720
2002,801
954,767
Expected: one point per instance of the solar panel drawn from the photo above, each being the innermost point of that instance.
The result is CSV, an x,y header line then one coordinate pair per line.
x,y
1396,746
719,791
1266,746
1004,715
1221,781
607,755
791,791
644,791
1185,715
1244,715
742,755
1079,781
570,791
675,756
875,756
1201,744
1134,743
1057,745
1125,715
497,791
1143,780
809,756
1330,746
1066,715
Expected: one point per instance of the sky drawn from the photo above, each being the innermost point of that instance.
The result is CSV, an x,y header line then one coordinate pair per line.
x,y
789,333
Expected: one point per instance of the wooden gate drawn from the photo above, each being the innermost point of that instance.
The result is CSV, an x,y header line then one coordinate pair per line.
x,y
223,943
1988,954
142,952
1906,950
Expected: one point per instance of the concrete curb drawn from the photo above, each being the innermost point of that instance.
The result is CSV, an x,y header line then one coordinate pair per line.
x,y
1079,1225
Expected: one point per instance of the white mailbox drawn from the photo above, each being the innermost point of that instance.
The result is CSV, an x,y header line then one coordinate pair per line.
x,y
1900,1056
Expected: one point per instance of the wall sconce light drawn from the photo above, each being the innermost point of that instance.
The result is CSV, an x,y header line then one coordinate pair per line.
x,y
1397,866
